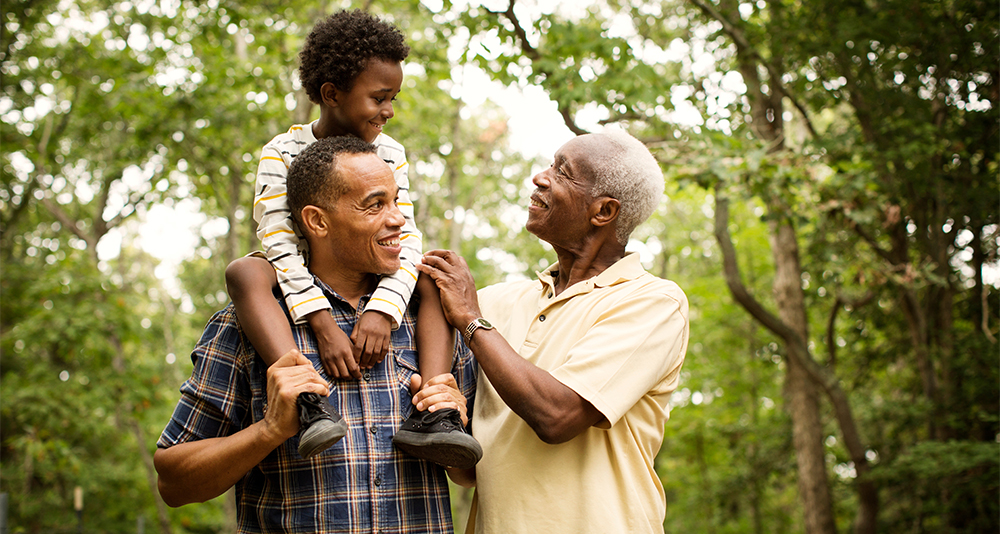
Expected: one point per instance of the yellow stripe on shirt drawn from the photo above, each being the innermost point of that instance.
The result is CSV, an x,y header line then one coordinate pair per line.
x,y
387,302
282,231
275,159
408,272
307,301
262,199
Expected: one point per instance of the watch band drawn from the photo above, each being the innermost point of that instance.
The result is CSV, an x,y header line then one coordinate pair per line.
x,y
476,324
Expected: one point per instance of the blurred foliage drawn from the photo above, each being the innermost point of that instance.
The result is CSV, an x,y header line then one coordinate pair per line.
x,y
887,169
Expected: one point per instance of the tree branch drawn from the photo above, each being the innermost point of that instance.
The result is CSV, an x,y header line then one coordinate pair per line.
x,y
532,54
742,43
735,281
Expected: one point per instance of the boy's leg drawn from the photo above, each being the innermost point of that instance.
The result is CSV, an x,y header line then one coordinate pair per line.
x,y
436,436
251,282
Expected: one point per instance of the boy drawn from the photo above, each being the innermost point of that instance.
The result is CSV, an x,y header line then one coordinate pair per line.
x,y
351,67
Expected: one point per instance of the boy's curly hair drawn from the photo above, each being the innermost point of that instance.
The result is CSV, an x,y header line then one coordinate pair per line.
x,y
338,49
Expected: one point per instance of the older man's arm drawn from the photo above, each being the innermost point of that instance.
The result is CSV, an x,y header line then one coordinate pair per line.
x,y
197,471
554,411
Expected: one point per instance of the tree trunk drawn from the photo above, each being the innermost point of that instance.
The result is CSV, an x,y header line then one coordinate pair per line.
x,y
800,391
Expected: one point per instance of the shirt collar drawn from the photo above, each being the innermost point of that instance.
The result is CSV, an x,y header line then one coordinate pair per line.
x,y
330,293
623,270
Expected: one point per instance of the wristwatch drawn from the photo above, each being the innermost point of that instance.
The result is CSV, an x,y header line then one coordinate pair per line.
x,y
476,325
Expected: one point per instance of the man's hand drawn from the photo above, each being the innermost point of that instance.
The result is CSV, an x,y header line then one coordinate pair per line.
x,y
335,349
370,338
458,289
202,469
439,393
290,376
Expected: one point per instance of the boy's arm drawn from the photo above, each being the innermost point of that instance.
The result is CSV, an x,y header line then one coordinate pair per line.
x,y
279,237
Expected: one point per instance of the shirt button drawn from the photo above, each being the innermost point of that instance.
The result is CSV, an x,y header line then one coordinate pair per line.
x,y
541,318
367,375
550,295
374,429
378,481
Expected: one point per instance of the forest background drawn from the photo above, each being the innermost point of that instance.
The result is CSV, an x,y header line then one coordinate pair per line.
x,y
832,215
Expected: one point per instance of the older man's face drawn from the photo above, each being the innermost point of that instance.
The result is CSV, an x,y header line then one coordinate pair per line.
x,y
560,206
367,223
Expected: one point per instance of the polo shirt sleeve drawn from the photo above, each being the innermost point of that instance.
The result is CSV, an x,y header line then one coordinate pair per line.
x,y
213,400
635,348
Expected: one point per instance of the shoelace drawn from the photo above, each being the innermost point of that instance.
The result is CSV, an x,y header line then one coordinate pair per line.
x,y
309,409
449,418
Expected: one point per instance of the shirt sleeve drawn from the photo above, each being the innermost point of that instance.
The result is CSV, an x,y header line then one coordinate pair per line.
x,y
213,400
636,347
394,291
280,238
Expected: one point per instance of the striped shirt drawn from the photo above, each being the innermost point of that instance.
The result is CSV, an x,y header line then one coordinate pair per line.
x,y
286,248
360,485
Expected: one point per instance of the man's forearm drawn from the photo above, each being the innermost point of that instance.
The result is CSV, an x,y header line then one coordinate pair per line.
x,y
201,470
554,411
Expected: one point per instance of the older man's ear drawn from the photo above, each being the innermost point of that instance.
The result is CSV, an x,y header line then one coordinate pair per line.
x,y
314,221
604,210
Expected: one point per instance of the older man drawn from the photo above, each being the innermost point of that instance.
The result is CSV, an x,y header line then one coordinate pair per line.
x,y
237,420
577,368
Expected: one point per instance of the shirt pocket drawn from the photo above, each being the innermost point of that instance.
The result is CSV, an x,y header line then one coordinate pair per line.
x,y
406,365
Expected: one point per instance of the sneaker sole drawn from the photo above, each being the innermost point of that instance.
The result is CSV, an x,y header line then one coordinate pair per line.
x,y
320,437
454,449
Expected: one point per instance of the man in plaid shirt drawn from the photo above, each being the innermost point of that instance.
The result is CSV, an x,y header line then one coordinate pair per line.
x,y
237,422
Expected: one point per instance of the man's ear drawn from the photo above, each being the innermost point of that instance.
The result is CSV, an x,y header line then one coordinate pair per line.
x,y
314,221
604,211
328,93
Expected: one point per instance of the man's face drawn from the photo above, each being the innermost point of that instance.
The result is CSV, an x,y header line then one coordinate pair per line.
x,y
366,222
559,209
364,110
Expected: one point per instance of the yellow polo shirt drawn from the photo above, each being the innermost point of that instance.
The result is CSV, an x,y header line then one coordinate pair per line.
x,y
618,340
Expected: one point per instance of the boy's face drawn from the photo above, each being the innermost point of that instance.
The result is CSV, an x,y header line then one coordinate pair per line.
x,y
364,110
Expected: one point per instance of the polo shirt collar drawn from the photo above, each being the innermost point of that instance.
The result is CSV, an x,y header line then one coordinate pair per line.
x,y
623,270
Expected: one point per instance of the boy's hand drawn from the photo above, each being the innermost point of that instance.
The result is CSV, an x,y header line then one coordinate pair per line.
x,y
371,338
335,350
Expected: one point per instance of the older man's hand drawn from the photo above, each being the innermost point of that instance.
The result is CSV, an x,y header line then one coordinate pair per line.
x,y
438,393
454,280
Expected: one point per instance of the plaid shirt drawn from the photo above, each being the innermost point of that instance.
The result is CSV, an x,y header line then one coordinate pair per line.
x,y
362,484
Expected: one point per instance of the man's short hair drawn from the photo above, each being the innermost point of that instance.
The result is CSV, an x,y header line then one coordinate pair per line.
x,y
313,178
339,48
626,171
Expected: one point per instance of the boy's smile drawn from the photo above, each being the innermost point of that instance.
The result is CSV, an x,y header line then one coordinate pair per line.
x,y
367,106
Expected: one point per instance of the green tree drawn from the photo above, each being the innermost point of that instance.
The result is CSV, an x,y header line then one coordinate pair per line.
x,y
869,148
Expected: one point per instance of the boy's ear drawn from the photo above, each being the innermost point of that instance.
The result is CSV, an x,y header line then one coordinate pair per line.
x,y
314,221
328,93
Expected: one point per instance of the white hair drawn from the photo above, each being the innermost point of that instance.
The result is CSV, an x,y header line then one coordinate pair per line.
x,y
625,170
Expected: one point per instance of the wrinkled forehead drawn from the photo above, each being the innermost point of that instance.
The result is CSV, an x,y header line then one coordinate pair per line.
x,y
583,152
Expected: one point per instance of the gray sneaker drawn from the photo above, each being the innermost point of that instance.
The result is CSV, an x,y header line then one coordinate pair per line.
x,y
438,437
320,426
